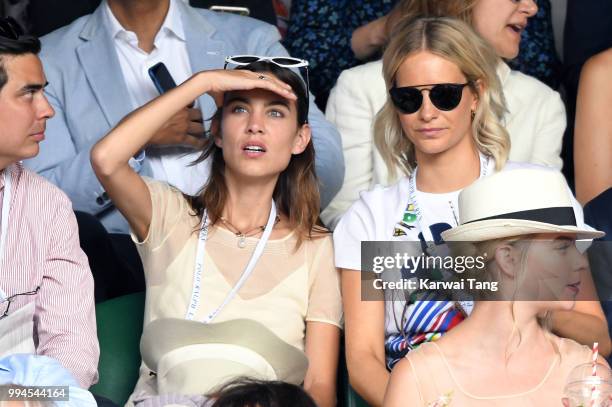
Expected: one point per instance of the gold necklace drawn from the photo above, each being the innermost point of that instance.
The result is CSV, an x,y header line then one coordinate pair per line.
x,y
243,235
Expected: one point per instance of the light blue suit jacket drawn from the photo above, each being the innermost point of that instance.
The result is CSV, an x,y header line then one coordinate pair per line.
x,y
89,95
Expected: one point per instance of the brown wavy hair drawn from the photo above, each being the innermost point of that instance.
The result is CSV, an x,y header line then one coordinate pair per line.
x,y
411,9
297,189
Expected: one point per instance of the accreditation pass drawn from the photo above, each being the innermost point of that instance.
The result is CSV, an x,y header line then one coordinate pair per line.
x,y
34,393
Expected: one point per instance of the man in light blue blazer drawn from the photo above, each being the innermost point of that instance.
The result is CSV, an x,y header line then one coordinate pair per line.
x,y
87,88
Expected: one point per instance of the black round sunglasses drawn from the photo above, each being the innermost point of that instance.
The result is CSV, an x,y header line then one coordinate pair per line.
x,y
444,96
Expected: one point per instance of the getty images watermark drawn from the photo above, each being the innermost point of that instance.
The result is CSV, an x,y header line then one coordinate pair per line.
x,y
435,266
399,270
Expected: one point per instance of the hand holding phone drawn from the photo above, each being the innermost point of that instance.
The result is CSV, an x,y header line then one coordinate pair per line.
x,y
185,127
161,78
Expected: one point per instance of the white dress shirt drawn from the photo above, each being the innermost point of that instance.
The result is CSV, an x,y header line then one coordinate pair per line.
x,y
168,163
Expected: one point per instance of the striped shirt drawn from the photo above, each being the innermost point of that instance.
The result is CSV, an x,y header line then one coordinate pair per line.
x,y
42,249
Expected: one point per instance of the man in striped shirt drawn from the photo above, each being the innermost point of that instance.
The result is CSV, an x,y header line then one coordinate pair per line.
x,y
46,287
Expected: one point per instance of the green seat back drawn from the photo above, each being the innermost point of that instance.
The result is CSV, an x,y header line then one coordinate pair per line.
x,y
354,400
347,397
119,329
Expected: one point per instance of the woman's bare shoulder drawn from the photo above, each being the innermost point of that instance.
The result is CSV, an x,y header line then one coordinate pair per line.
x,y
598,67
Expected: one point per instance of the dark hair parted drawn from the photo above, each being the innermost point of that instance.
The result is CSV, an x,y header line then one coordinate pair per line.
x,y
13,42
296,193
257,393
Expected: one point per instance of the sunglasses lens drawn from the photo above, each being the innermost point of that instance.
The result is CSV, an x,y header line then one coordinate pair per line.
x,y
446,97
286,61
245,59
407,100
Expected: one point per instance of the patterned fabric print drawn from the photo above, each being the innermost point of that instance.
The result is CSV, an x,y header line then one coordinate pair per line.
x,y
42,249
538,56
429,319
320,31
404,225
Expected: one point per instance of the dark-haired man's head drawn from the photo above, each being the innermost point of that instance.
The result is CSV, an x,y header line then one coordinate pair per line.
x,y
244,392
13,42
24,108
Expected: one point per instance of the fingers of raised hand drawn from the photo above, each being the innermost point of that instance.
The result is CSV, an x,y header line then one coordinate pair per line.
x,y
223,81
246,80
275,85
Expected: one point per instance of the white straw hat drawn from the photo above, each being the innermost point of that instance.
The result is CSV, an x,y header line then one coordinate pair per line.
x,y
517,202
190,357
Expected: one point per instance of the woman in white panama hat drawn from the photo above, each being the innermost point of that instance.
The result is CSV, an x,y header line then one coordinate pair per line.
x,y
443,112
502,355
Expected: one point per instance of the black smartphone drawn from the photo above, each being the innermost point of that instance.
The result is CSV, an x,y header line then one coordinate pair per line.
x,y
161,78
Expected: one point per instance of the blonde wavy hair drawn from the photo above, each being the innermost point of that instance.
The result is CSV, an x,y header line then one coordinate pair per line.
x,y
455,41
487,274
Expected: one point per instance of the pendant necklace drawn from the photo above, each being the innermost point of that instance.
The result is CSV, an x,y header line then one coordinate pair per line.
x,y
243,235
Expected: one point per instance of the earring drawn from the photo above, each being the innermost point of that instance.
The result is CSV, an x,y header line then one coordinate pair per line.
x,y
473,114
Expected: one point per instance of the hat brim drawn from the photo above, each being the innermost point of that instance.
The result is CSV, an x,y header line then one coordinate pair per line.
x,y
501,228
167,334
205,368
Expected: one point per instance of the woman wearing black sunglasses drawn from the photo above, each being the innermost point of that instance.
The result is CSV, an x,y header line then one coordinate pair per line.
x,y
246,247
441,126
535,115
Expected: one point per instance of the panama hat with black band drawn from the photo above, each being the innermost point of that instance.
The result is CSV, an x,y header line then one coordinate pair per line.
x,y
517,202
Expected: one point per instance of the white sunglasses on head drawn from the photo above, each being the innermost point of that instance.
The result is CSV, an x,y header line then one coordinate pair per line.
x,y
283,62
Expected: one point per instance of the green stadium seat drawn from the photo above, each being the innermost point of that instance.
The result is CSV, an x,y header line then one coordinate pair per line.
x,y
119,323
347,397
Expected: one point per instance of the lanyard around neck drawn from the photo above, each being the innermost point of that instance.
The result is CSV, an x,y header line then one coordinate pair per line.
x,y
6,202
427,236
194,303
